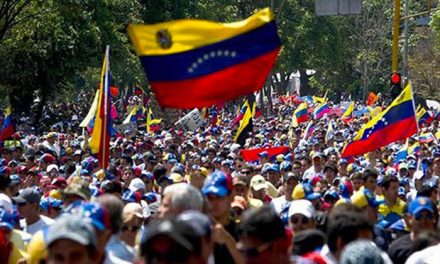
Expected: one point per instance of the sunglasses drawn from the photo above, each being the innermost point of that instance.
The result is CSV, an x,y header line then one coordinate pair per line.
x,y
297,220
131,228
254,251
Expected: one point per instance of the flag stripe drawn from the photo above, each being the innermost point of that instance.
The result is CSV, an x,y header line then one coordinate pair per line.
x,y
395,114
188,93
215,57
386,135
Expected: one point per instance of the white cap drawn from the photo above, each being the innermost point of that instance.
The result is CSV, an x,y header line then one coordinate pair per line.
x,y
136,184
258,182
51,167
303,207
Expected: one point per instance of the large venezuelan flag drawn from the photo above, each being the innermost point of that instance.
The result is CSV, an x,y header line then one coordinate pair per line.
x,y
196,63
397,122
8,128
100,141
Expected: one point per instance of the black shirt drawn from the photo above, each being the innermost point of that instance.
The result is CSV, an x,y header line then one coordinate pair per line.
x,y
221,252
401,249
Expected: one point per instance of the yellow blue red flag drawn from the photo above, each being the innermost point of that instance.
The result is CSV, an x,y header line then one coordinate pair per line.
x,y
196,63
396,122
100,140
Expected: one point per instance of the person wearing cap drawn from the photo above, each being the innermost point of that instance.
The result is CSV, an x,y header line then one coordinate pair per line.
x,y
9,252
392,208
418,184
197,176
368,203
273,176
258,187
305,191
75,193
51,144
264,157
52,171
403,170
301,215
422,218
28,203
71,240
330,172
218,192
427,167
263,237
342,167
178,198
171,241
132,220
50,207
127,176
316,168
240,187
96,215
202,225
281,204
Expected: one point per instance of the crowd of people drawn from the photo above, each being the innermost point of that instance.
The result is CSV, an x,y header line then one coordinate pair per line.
x,y
174,196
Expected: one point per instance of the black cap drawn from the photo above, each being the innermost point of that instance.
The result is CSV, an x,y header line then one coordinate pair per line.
x,y
307,241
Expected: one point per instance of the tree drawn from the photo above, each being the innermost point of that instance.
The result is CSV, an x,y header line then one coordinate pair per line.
x,y
10,15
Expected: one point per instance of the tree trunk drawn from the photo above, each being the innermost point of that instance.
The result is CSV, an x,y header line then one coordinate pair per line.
x,y
304,88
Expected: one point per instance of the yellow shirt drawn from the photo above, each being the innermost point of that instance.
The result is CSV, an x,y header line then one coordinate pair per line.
x,y
397,208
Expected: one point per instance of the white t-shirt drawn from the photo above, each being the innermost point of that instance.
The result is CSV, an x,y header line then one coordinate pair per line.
x,y
310,173
429,255
35,227
279,203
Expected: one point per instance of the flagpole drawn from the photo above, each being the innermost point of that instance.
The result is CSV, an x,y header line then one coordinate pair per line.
x,y
105,90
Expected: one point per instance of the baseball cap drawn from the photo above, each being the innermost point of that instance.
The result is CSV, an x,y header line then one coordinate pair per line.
x,y
133,209
51,167
150,197
258,182
403,166
263,154
365,197
303,207
130,196
94,214
136,184
50,202
47,158
15,179
28,195
304,191
200,222
78,189
72,227
240,180
290,175
419,204
239,202
179,231
218,183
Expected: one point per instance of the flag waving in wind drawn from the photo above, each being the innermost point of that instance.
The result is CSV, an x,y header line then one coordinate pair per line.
x,y
396,122
195,63
246,125
8,128
100,141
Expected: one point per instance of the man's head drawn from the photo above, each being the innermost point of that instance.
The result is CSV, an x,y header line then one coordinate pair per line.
x,y
290,180
422,215
346,223
28,202
302,215
263,238
71,240
171,241
369,177
390,187
258,187
218,189
178,198
366,200
240,186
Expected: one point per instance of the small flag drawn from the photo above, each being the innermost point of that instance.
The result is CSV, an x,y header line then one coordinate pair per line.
x,y
132,117
152,123
372,98
414,149
402,153
8,127
397,122
349,111
309,130
246,125
426,137
321,110
92,111
195,63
